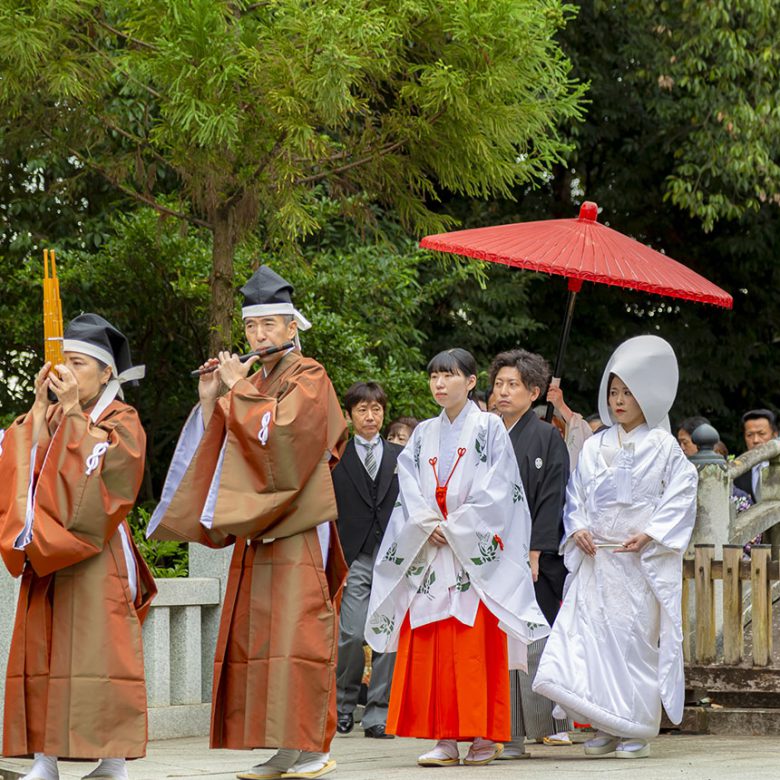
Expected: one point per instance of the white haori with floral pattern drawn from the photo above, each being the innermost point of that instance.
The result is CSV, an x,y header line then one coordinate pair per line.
x,y
488,531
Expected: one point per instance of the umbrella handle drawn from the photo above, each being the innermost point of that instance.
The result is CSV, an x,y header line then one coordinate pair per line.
x,y
575,285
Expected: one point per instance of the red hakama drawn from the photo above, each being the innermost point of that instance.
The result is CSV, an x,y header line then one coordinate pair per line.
x,y
451,681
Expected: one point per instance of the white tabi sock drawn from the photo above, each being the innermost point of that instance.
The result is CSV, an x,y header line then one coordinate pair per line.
x,y
515,748
282,760
310,762
110,769
43,768
631,745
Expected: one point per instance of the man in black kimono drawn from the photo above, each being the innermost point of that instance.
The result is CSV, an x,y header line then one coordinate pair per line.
x,y
518,379
366,486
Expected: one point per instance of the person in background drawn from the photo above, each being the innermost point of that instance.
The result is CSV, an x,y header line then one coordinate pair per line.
x,y
758,427
577,430
685,433
400,430
519,378
366,486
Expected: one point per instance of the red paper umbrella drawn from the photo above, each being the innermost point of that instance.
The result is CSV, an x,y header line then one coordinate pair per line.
x,y
583,251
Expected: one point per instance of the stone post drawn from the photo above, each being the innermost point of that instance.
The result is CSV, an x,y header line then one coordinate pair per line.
x,y
9,593
205,562
713,512
713,505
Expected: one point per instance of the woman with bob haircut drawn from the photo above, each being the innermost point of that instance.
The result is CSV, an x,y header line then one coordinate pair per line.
x,y
615,652
452,589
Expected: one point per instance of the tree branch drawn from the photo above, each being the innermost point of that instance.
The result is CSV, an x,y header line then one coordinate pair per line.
x,y
363,160
355,164
140,142
145,199
125,36
153,92
149,201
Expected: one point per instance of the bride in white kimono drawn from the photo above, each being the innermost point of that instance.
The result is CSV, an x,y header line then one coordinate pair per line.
x,y
615,652
452,588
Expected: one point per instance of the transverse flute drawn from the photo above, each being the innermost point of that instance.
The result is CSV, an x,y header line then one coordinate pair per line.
x,y
243,358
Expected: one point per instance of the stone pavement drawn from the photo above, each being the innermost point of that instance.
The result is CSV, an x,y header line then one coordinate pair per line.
x,y
674,757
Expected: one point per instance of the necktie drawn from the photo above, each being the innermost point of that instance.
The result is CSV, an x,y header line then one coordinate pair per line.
x,y
370,461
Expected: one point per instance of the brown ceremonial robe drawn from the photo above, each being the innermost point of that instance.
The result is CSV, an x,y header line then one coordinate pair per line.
x,y
275,662
75,685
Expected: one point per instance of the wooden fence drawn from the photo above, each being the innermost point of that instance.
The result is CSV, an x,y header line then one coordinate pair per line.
x,y
700,640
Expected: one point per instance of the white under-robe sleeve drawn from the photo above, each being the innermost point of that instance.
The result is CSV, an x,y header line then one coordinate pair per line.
x,y
575,517
188,443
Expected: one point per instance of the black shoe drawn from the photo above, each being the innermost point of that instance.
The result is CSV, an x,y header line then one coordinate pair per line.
x,y
345,723
377,732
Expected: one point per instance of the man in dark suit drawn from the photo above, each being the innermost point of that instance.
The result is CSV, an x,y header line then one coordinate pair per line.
x,y
758,427
366,486
518,379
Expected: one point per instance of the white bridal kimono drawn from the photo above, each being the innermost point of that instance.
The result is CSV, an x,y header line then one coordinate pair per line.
x,y
487,529
615,652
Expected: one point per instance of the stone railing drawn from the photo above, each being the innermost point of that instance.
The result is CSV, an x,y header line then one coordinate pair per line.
x,y
763,517
180,634
719,528
717,521
179,637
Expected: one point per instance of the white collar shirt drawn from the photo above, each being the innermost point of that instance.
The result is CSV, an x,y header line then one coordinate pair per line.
x,y
362,449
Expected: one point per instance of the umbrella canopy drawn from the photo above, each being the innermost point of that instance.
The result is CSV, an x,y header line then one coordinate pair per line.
x,y
582,250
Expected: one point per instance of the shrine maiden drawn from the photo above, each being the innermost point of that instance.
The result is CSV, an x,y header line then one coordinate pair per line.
x,y
452,586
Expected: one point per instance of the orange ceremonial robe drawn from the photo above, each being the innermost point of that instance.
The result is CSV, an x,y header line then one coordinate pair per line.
x,y
75,684
275,663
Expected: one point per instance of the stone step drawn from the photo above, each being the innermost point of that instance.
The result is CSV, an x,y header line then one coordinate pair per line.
x,y
732,721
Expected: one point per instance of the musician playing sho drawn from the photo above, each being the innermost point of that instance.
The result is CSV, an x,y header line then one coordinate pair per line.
x,y
70,472
252,469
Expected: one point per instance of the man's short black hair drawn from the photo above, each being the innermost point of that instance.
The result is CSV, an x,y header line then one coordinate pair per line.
x,y
761,414
690,424
534,369
365,391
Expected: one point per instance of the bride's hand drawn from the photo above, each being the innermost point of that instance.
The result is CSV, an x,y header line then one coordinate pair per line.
x,y
634,543
584,541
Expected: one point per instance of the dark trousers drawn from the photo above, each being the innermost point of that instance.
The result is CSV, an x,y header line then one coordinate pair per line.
x,y
349,673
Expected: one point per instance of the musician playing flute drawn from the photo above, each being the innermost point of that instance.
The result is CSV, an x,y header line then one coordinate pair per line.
x,y
253,469
70,472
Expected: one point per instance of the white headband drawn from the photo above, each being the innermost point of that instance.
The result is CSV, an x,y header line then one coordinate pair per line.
x,y
114,386
264,309
85,348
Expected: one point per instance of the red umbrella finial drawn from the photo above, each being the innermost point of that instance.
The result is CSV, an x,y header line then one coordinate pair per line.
x,y
589,212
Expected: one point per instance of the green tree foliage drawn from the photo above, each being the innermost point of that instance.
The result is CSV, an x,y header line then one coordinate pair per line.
x,y
150,279
626,153
712,75
241,110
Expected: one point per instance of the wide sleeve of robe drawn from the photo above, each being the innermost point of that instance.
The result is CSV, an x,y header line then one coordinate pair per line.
x,y
263,461
67,496
274,448
670,527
